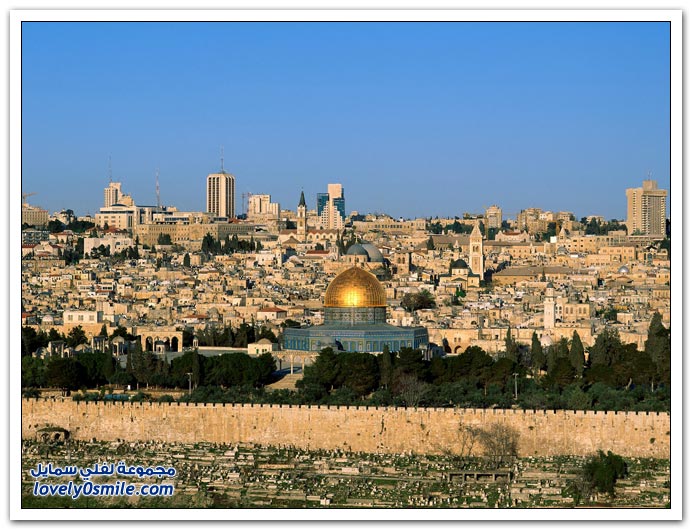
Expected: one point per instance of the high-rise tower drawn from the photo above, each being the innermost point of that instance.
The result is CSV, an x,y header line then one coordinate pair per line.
x,y
331,207
112,194
646,209
221,193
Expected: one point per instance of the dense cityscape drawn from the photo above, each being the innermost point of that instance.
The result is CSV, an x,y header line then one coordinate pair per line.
x,y
316,306
157,283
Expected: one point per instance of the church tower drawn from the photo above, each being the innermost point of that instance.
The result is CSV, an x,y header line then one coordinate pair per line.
x,y
302,222
476,252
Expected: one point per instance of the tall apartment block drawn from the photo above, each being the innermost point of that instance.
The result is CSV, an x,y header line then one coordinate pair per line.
x,y
493,217
221,194
331,207
111,194
646,209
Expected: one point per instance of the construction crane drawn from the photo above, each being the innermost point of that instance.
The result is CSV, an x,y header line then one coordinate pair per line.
x,y
245,197
25,195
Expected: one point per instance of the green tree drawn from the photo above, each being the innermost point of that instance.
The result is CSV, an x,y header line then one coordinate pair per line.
x,y
197,369
423,299
557,351
186,260
121,331
323,372
54,335
538,358
33,372
164,239
658,348
244,336
511,347
142,364
410,361
289,323
55,226
386,367
576,353
606,349
266,366
64,373
430,245
97,367
76,336
602,472
561,374
32,340
208,244
266,333
358,372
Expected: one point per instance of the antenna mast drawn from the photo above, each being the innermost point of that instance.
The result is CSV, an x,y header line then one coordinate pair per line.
x,y
222,159
158,194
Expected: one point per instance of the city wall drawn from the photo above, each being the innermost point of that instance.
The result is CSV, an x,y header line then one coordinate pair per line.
x,y
367,429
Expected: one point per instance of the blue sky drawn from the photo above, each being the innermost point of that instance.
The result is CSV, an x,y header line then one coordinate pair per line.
x,y
414,119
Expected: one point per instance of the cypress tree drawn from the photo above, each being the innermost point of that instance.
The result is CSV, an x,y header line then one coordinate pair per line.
x,y
537,355
576,353
386,367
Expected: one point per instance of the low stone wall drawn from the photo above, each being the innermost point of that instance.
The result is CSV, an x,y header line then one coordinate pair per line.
x,y
367,429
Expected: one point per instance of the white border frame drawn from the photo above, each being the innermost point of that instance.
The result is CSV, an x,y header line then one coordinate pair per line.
x,y
672,16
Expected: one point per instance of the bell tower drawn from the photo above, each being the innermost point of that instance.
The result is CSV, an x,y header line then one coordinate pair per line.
x,y
476,252
302,222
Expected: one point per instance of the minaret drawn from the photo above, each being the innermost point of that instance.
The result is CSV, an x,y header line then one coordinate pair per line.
x,y
301,224
549,307
476,251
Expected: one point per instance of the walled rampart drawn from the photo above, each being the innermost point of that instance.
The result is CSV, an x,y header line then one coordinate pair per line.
x,y
367,429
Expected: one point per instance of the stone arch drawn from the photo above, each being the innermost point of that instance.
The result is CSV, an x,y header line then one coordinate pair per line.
x,y
149,344
175,344
458,349
293,362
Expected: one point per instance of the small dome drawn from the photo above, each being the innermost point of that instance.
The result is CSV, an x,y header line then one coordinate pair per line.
x,y
562,251
459,264
546,341
624,270
374,253
355,287
356,250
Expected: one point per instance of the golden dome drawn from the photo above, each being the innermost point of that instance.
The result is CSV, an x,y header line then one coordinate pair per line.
x,y
355,287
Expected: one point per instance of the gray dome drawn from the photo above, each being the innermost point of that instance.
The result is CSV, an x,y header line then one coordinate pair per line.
x,y
562,250
373,252
357,250
624,270
459,264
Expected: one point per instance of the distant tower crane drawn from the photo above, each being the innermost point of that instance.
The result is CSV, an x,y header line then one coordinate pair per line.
x,y
25,195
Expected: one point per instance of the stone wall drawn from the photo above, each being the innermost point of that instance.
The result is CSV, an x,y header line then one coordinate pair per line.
x,y
367,429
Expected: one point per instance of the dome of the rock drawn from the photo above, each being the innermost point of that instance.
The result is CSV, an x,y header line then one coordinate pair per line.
x,y
355,287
